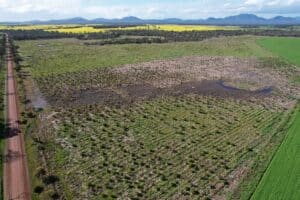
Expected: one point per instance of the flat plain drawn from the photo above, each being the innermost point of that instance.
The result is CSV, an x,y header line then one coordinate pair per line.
x,y
80,29
286,48
186,120
48,57
281,180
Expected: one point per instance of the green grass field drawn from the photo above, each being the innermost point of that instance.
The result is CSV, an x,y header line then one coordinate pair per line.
x,y
48,57
281,180
286,48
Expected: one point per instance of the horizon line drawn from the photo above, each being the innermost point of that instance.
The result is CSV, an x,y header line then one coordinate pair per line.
x,y
132,16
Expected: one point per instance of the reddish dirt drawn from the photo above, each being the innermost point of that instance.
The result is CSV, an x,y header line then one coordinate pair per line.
x,y
16,181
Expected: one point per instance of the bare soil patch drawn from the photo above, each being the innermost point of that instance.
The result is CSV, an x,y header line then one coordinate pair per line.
x,y
206,75
129,94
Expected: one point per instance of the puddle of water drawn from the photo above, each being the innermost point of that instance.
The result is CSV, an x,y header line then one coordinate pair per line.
x,y
264,91
37,100
147,92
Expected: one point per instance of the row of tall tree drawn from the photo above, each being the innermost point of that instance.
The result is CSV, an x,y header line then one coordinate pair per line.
x,y
147,36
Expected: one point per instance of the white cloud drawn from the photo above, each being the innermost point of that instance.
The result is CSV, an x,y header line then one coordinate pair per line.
x,y
54,9
253,2
25,6
265,3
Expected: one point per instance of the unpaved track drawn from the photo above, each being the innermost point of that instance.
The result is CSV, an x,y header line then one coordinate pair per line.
x,y
16,181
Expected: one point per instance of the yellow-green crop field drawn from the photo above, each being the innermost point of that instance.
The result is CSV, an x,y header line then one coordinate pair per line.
x,y
93,29
35,27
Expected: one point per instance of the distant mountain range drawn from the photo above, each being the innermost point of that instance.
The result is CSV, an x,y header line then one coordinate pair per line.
x,y
242,19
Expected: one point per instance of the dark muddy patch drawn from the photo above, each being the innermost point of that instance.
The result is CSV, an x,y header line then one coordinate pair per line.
x,y
102,96
128,94
217,88
141,91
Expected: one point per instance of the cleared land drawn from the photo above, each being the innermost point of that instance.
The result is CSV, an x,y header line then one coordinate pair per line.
x,y
281,180
161,121
46,57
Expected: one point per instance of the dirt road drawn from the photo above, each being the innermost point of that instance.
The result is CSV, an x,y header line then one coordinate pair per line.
x,y
16,181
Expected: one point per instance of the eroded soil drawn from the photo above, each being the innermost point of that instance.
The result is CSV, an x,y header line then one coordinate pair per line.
x,y
217,76
129,94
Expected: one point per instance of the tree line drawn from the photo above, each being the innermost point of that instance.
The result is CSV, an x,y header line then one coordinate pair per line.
x,y
146,36
2,45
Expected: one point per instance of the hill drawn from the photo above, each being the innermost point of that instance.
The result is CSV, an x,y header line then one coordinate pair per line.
x,y
242,19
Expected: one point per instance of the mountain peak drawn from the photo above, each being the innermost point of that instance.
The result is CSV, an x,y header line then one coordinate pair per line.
x,y
131,18
247,15
241,19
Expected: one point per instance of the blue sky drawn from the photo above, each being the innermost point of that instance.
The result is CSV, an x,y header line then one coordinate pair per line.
x,y
22,10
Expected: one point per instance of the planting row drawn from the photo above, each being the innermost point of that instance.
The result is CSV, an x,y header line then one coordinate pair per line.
x,y
170,148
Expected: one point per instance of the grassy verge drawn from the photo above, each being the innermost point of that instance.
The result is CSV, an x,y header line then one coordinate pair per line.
x,y
2,110
281,180
28,123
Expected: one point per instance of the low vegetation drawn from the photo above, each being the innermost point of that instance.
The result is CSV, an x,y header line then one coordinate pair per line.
x,y
81,29
285,48
51,57
143,34
196,119
2,109
138,152
280,179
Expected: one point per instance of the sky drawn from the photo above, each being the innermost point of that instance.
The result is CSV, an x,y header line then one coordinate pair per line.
x,y
24,10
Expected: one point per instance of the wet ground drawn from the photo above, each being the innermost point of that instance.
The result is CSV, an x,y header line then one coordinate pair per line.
x,y
128,94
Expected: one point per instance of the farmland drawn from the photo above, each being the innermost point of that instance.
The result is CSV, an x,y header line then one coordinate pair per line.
x,y
71,55
280,180
138,152
79,29
176,28
185,120
34,27
286,48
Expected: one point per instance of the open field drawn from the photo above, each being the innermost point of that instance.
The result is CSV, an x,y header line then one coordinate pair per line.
x,y
182,120
166,77
98,29
281,181
286,48
34,27
176,28
71,55
170,148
